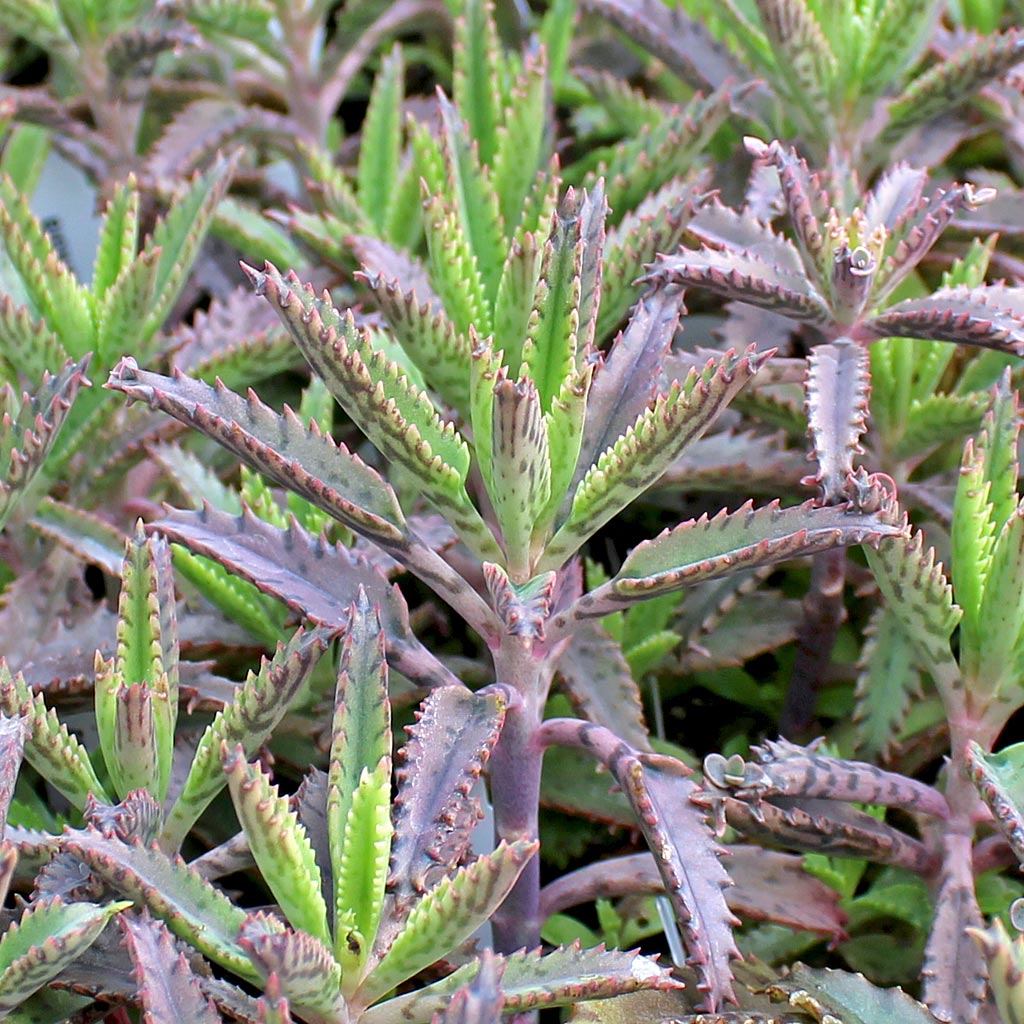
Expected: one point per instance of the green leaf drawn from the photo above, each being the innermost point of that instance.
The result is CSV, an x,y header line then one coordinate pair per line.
x,y
259,704
49,284
805,66
706,548
480,74
237,598
147,654
534,980
192,908
520,485
945,85
359,785
447,915
1000,781
54,752
28,347
428,337
381,140
564,318
889,680
178,236
400,420
656,439
49,936
278,843
361,869
124,307
916,589
119,237
850,998
520,141
1001,617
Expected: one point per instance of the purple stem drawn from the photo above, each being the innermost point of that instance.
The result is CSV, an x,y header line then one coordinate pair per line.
x,y
635,873
515,770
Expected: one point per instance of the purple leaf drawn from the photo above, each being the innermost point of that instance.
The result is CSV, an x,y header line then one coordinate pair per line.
x,y
683,43
317,579
744,277
806,199
989,317
954,974
600,684
168,988
913,234
295,456
434,812
628,379
838,385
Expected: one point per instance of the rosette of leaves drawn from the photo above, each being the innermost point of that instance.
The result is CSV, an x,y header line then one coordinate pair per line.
x,y
846,81
793,797
836,280
369,891
559,446
47,317
127,793
482,190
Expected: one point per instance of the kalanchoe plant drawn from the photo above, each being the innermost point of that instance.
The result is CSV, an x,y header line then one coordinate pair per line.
x,y
845,81
836,279
559,447
796,798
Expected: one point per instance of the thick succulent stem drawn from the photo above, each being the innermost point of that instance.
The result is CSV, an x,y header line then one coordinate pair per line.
x,y
515,769
823,614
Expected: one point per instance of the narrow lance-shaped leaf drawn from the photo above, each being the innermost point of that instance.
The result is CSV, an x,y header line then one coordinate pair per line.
x,y
278,843
169,990
746,277
1000,781
520,468
804,60
147,641
119,236
659,790
260,703
447,915
49,747
949,82
47,282
564,319
838,386
533,980
192,908
400,420
709,547
916,589
28,437
434,813
293,455
655,440
48,937
178,236
359,790
308,974
988,317
380,144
